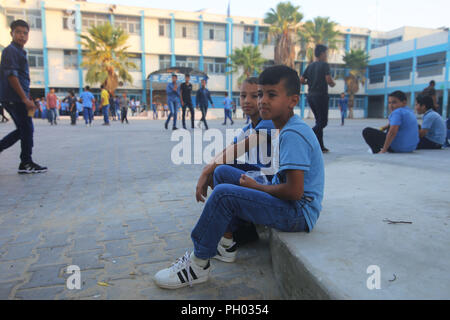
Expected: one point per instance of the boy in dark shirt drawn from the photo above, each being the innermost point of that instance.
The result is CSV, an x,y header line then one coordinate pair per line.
x,y
186,100
317,77
14,96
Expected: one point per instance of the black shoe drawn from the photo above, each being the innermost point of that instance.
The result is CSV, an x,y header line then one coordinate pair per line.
x,y
232,122
174,128
224,124
325,150
166,126
31,167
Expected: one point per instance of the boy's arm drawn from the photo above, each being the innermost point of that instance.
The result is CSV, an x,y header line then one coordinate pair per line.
x,y
15,84
292,190
392,133
423,133
330,81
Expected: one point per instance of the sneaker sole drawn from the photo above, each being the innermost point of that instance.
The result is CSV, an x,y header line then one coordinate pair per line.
x,y
31,172
181,285
225,259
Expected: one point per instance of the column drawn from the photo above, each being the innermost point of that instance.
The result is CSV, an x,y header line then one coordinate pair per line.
x,y
386,79
256,34
79,52
303,94
446,80
366,98
45,49
172,41
228,38
143,56
413,75
201,62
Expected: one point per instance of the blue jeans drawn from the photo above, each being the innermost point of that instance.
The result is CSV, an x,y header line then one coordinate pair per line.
x,y
24,131
343,115
105,110
228,116
173,107
229,203
87,113
51,114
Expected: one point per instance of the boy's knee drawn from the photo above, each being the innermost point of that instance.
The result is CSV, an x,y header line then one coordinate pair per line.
x,y
219,174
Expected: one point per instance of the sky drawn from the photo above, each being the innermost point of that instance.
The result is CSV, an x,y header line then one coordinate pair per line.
x,y
380,15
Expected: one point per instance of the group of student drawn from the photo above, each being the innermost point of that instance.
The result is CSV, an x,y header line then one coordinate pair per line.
x,y
403,133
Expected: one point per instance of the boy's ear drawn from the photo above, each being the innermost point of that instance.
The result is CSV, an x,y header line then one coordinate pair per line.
x,y
295,99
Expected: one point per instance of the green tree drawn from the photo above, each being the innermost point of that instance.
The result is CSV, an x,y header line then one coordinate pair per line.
x,y
357,62
249,59
284,23
320,30
106,59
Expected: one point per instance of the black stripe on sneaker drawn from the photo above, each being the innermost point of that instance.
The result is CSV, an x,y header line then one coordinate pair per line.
x,y
185,273
232,249
192,273
218,253
181,277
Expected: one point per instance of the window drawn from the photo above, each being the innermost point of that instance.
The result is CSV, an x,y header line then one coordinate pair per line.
x,y
164,28
92,20
186,30
136,59
249,35
70,59
337,71
400,70
164,62
431,65
215,65
214,32
264,37
131,25
268,63
377,73
33,17
190,62
358,43
35,59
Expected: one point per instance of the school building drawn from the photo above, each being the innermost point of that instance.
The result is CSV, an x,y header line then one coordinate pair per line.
x,y
203,41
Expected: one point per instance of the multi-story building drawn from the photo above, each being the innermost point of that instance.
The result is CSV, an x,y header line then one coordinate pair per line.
x,y
168,38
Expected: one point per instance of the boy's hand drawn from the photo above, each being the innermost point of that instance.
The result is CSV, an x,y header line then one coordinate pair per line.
x,y
248,182
29,104
382,151
202,188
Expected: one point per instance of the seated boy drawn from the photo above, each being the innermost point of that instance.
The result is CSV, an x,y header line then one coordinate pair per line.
x,y
259,132
292,203
433,133
403,133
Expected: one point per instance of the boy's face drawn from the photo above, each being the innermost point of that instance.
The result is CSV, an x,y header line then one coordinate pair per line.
x,y
203,83
20,35
342,96
395,103
188,79
420,109
324,56
174,79
274,103
249,99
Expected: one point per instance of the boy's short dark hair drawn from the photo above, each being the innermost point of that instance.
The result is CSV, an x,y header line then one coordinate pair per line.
x,y
400,95
251,80
87,88
432,83
320,48
187,75
275,74
426,101
102,86
19,23
226,94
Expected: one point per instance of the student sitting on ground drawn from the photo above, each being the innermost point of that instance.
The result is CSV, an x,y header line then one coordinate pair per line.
x,y
258,131
433,133
292,203
403,133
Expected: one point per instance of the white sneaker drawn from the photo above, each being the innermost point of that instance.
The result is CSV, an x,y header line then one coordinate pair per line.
x,y
184,272
226,254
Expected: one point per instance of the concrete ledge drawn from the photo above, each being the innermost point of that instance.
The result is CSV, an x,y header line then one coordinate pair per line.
x,y
361,191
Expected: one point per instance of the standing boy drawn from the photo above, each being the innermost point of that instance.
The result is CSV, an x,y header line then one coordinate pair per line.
x,y
292,203
317,76
433,133
104,96
186,100
14,96
227,107
87,100
173,100
52,104
403,133
343,106
201,99
123,104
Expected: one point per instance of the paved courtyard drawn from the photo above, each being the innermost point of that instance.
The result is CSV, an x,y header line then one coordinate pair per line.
x,y
114,204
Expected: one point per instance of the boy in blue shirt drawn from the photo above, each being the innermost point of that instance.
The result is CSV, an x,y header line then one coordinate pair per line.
x,y
15,96
87,100
343,106
228,106
403,133
173,100
433,133
292,203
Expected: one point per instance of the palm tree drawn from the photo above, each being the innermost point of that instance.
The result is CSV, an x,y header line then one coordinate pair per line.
x,y
106,58
356,61
248,58
318,31
284,23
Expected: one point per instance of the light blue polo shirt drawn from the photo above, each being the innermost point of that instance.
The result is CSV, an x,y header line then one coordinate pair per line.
x,y
255,155
87,97
407,137
299,149
435,125
228,103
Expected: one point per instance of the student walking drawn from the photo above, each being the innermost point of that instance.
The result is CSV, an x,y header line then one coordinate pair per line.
x,y
201,100
173,100
317,77
433,133
104,95
52,104
72,107
88,101
186,100
228,107
2,113
15,96
343,106
123,104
